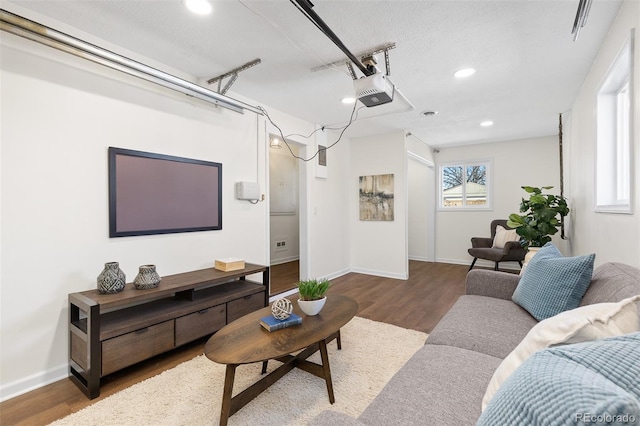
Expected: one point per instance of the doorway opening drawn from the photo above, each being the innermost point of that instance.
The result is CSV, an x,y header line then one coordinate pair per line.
x,y
284,217
421,213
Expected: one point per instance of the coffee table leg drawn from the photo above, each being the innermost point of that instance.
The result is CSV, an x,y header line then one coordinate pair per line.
x,y
327,370
226,394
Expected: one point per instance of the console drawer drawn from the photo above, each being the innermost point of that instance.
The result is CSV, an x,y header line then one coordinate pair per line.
x,y
128,349
246,305
198,324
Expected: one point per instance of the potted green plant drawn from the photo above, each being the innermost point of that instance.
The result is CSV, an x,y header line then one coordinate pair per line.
x,y
543,214
312,295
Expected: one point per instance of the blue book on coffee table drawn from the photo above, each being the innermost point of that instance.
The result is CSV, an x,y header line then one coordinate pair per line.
x,y
271,323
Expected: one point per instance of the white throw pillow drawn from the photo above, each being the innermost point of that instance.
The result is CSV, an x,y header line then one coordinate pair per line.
x,y
503,235
586,323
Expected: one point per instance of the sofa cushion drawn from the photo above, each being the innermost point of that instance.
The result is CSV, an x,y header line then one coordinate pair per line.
x,y
582,324
573,384
552,283
483,324
439,385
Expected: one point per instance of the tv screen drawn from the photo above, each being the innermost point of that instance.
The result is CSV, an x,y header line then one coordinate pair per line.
x,y
161,194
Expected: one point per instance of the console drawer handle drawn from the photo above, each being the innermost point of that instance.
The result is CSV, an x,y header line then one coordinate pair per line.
x,y
142,330
204,311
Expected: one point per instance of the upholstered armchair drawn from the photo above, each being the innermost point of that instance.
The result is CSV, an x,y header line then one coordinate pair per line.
x,y
505,248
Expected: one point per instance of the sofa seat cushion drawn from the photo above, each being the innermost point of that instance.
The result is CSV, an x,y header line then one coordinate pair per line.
x,y
592,382
483,324
439,385
493,254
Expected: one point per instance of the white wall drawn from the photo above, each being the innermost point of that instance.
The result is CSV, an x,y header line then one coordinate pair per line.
x,y
613,237
329,239
379,248
59,115
533,162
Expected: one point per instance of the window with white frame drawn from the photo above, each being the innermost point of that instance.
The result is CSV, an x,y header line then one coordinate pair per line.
x,y
465,185
614,136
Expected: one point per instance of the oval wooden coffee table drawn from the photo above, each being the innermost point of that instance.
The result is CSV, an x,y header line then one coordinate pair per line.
x,y
244,341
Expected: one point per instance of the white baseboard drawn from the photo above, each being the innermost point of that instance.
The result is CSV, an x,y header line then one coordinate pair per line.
x,y
509,265
293,291
421,258
337,274
284,294
384,274
284,260
33,382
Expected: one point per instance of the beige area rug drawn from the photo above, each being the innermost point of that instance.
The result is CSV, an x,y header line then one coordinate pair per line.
x,y
191,393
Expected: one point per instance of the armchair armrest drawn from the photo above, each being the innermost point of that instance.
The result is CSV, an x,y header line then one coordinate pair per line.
x,y
480,242
514,247
500,285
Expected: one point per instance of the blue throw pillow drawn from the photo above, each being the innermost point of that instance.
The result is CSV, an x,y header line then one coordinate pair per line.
x,y
552,283
587,383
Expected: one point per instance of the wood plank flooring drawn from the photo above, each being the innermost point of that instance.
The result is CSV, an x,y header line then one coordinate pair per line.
x,y
284,277
417,303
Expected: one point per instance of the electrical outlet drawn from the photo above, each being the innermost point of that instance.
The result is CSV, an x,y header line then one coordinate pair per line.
x,y
280,245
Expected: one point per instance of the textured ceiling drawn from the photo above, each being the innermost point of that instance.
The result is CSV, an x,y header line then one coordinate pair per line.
x,y
529,69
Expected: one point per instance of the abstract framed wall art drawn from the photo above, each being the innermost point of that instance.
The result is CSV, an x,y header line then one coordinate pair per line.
x,y
376,197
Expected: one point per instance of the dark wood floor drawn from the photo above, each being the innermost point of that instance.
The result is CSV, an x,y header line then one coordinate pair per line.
x,y
284,277
417,303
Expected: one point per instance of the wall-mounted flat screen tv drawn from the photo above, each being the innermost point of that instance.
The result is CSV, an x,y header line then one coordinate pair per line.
x,y
161,194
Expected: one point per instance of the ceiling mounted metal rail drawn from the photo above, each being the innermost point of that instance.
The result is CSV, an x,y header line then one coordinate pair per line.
x,y
233,76
306,7
37,32
363,55
584,6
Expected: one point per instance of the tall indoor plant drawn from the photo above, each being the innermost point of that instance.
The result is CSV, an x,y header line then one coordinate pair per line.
x,y
541,218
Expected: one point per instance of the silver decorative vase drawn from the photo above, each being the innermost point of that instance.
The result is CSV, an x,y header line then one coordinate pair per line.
x,y
147,277
112,279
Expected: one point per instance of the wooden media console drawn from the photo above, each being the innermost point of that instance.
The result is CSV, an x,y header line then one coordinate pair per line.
x,y
108,332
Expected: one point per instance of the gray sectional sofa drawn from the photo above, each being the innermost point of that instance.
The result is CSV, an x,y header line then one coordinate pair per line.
x,y
445,381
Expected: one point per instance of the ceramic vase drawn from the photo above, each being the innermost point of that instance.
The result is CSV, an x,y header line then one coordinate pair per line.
x,y
312,307
527,257
147,277
532,252
112,279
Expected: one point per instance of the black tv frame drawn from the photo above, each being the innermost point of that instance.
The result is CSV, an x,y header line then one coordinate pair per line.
x,y
113,205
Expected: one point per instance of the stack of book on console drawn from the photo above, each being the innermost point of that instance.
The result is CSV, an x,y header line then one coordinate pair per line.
x,y
271,323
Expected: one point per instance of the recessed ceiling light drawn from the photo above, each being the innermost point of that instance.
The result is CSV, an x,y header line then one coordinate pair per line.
x,y
487,123
348,100
464,73
199,7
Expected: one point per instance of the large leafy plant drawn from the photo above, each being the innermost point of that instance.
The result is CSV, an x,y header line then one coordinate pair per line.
x,y
313,289
543,214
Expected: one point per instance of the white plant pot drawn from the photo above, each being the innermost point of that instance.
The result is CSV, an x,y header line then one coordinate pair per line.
x,y
312,307
532,252
527,257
